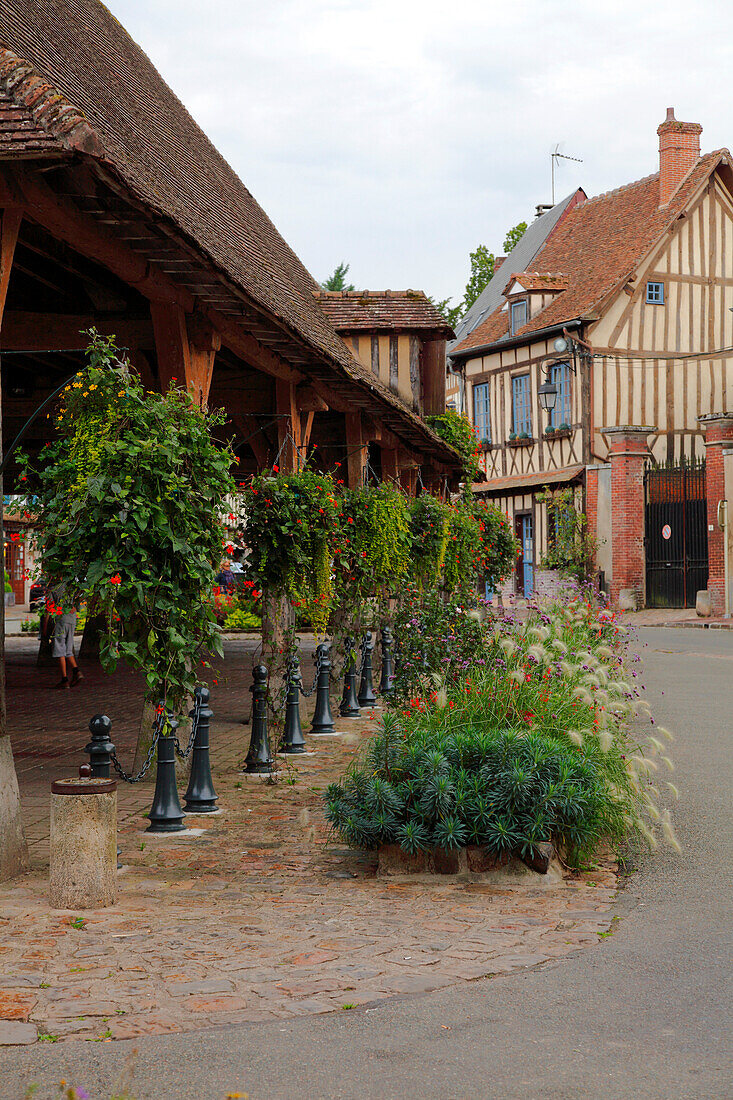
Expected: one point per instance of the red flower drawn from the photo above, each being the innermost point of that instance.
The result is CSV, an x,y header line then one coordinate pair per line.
x,y
117,579
276,468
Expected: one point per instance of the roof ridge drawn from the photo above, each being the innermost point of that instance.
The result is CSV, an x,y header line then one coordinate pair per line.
x,y
622,187
347,294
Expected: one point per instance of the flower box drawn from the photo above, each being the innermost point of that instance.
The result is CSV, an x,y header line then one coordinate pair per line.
x,y
520,442
559,433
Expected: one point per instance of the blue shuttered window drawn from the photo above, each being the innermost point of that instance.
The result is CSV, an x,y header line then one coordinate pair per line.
x,y
481,416
560,376
521,411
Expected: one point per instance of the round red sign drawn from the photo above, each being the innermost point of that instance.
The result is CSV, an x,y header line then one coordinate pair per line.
x,y
666,531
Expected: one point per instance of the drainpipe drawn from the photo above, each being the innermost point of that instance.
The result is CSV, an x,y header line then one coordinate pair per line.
x,y
723,524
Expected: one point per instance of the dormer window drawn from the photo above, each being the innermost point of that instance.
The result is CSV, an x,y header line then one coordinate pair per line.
x,y
518,316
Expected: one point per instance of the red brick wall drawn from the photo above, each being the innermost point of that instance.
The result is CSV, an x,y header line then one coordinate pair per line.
x,y
627,456
718,430
591,500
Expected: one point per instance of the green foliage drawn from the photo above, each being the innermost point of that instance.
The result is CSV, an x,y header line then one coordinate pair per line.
x,y
8,585
513,237
527,740
242,619
498,544
127,501
463,555
572,548
291,533
435,636
452,314
375,541
337,280
458,431
429,522
482,270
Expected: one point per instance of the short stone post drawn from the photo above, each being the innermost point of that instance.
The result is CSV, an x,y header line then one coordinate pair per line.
x,y
200,796
83,871
386,681
100,748
322,717
166,815
259,758
293,741
366,697
718,437
349,703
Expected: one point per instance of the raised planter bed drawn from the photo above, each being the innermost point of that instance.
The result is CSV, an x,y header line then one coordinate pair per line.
x,y
468,862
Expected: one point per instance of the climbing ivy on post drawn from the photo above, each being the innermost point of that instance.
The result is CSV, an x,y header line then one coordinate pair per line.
x,y
130,500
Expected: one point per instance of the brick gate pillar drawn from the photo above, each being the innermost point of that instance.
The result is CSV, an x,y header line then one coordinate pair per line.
x,y
627,456
718,433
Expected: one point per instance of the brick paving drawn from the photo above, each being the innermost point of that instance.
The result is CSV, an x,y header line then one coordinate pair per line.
x,y
261,915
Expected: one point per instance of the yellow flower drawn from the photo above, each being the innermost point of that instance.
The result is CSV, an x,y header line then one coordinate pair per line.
x,y
93,386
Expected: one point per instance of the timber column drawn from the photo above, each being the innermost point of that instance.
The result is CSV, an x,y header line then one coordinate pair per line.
x,y
718,436
628,455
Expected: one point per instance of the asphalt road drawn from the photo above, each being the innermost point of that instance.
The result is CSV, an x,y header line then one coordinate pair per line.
x,y
645,1014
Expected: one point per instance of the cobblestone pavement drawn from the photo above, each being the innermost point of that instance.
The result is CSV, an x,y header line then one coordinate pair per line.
x,y
258,916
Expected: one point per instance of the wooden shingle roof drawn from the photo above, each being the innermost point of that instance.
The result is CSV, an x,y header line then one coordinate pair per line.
x,y
74,82
597,246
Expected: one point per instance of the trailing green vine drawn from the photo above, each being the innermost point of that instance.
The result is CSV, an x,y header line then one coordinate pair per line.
x,y
458,431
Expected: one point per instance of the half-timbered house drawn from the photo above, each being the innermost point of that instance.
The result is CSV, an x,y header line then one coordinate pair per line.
x,y
623,325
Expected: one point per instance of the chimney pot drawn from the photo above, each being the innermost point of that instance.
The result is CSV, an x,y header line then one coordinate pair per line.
x,y
679,151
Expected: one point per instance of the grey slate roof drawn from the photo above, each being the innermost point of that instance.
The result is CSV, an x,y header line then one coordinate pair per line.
x,y
520,258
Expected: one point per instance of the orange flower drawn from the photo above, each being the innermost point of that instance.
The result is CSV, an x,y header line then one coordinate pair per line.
x,y
116,579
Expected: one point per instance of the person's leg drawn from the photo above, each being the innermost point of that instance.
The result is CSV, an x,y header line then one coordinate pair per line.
x,y
62,666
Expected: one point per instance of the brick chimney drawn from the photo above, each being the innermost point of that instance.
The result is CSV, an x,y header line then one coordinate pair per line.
x,y
679,151
498,261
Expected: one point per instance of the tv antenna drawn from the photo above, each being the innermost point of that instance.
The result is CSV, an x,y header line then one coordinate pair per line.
x,y
556,155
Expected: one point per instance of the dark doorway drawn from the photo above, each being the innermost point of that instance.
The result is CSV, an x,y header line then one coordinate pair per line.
x,y
524,530
676,534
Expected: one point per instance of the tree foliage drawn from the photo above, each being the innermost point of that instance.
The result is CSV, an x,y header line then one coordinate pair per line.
x,y
129,501
337,280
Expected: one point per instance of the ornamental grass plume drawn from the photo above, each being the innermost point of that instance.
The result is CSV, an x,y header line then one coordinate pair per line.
x,y
668,831
518,676
538,653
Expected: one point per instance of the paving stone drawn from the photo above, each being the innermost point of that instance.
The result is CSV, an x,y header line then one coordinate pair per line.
x,y
15,1033
208,985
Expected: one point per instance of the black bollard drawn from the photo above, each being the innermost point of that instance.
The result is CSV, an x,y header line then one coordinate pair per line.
x,y
259,759
200,796
100,748
293,741
166,815
386,682
349,703
322,717
366,697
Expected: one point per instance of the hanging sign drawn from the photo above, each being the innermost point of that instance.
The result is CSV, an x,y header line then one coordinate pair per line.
x,y
666,531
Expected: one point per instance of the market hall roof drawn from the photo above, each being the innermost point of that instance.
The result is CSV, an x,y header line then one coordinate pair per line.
x,y
70,73
385,310
597,245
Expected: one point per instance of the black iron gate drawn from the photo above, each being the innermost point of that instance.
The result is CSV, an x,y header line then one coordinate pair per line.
x,y
676,534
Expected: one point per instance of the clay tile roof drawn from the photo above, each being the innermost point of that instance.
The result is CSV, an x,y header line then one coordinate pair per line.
x,y
82,85
370,310
598,245
541,280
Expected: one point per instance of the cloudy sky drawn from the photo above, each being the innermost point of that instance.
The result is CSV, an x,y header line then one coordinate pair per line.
x,y
399,134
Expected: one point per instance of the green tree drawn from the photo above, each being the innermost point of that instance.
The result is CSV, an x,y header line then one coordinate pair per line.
x,y
337,281
451,314
513,237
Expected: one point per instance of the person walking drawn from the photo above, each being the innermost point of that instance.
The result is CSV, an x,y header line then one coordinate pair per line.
x,y
63,614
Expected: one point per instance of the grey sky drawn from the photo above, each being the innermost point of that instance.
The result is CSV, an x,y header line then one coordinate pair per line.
x,y
399,134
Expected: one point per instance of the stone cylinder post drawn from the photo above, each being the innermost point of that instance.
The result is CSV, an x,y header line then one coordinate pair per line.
x,y
718,438
83,843
628,456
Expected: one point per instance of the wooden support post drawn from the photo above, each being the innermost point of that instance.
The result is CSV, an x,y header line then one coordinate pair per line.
x,y
13,847
186,348
288,426
356,450
390,464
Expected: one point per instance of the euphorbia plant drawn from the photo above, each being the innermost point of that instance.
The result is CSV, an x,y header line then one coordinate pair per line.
x,y
130,505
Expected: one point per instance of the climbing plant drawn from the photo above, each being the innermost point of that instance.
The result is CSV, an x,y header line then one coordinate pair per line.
x,y
458,431
128,505
429,522
291,534
571,547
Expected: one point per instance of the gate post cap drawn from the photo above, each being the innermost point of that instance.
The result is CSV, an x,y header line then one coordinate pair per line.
x,y
100,725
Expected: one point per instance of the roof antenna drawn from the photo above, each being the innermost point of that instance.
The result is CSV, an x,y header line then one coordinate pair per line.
x,y
556,155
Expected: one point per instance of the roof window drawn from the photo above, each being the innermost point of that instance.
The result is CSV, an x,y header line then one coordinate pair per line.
x,y
518,316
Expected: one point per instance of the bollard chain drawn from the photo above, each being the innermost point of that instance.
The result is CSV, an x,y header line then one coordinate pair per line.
x,y
319,664
148,759
194,730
